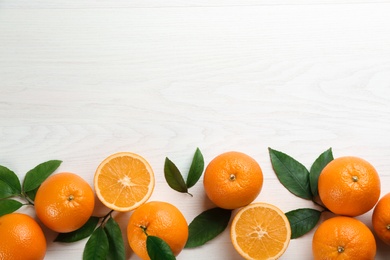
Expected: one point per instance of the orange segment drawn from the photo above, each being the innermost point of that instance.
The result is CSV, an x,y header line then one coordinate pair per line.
x,y
124,181
260,231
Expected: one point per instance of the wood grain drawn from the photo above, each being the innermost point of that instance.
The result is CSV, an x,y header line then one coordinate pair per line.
x,y
83,79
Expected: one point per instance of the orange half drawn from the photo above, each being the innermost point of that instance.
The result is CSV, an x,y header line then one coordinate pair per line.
x,y
260,231
123,181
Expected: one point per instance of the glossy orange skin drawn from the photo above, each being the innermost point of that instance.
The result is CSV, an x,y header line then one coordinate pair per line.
x,y
159,219
349,186
343,238
233,180
381,219
21,238
64,202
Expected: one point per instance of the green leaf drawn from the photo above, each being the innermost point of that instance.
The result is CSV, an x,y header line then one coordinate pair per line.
x,y
9,206
207,226
196,169
302,221
158,249
97,246
36,176
9,183
85,231
316,169
291,173
173,177
115,240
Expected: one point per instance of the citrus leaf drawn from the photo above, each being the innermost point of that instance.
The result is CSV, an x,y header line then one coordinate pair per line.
x,y
36,176
115,240
315,170
291,173
207,225
196,169
11,179
302,221
173,177
5,190
9,206
85,231
158,249
96,247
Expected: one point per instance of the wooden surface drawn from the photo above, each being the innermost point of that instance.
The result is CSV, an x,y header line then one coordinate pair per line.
x,y
80,80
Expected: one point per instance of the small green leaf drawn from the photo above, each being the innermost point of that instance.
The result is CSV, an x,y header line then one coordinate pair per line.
x,y
97,246
173,177
291,173
158,249
115,240
302,221
207,226
9,206
196,169
85,231
315,170
9,183
36,176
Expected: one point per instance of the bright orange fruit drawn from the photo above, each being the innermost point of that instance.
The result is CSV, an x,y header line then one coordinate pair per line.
x,y
159,219
21,238
232,180
260,231
381,219
124,181
349,186
64,202
343,238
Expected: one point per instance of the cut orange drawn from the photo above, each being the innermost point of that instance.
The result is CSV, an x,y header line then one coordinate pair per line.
x,y
124,181
260,231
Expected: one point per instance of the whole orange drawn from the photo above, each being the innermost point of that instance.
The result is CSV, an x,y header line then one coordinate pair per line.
x,y
349,186
343,238
21,238
64,202
159,219
232,180
381,219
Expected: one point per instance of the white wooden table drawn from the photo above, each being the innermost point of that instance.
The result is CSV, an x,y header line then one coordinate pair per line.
x,y
80,80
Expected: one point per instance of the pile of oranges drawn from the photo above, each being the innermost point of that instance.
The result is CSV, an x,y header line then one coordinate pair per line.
x,y
347,187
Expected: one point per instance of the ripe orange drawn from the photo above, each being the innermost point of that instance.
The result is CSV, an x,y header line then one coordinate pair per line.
x,y
232,180
124,181
260,231
343,238
64,202
381,219
349,186
159,219
21,238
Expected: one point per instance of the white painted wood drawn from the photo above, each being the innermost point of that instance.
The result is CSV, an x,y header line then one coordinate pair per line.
x,y
81,80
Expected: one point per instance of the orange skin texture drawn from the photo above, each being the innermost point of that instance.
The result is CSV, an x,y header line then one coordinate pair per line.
x,y
349,186
343,238
21,238
64,202
159,219
233,180
381,219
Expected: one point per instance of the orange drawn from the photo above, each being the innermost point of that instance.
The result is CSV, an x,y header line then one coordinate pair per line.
x,y
232,180
159,219
260,231
64,202
349,186
124,181
343,238
381,219
21,238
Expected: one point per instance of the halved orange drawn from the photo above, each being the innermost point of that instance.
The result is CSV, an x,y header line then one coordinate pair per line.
x,y
260,231
123,181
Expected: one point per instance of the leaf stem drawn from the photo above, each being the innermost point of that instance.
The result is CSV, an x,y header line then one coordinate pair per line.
x,y
26,198
106,217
